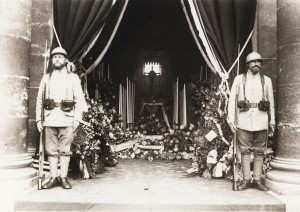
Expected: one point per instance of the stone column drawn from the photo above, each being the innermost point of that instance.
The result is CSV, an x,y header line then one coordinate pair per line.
x,y
15,41
266,37
285,174
41,31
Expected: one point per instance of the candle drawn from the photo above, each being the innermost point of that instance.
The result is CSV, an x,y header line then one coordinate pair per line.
x,y
201,70
108,71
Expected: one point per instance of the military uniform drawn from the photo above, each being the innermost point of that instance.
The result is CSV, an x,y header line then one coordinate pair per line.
x,y
63,105
253,121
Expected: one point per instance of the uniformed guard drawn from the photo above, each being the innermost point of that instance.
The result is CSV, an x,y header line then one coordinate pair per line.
x,y
255,118
63,107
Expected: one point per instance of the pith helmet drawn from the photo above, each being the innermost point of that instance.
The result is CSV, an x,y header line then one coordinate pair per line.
x,y
253,56
58,50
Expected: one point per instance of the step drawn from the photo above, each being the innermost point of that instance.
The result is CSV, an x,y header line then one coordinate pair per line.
x,y
140,185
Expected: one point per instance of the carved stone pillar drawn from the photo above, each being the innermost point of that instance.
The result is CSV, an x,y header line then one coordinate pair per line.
x,y
285,174
15,41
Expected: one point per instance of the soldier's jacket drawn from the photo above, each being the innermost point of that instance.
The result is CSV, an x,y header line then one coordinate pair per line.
x,y
253,119
61,85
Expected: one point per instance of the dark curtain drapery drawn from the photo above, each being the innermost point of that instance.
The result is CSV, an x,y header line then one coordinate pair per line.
x,y
227,24
77,22
107,34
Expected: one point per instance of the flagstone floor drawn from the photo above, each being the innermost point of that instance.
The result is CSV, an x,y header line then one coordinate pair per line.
x,y
140,185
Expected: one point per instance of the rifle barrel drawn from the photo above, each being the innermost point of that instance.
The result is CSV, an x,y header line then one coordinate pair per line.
x,y
235,142
41,147
42,136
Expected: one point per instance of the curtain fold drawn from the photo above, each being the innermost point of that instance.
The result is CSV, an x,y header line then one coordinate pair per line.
x,y
194,32
227,24
77,22
98,50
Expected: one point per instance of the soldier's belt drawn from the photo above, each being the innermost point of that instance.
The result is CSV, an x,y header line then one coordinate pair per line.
x,y
65,105
57,104
252,105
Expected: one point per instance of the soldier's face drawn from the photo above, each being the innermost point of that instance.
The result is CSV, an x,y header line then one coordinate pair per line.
x,y
59,61
254,66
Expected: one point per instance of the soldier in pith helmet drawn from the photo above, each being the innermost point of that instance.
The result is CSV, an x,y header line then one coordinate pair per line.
x,y
63,106
255,118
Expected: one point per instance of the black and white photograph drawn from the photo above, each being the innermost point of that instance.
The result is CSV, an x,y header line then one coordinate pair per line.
x,y
150,105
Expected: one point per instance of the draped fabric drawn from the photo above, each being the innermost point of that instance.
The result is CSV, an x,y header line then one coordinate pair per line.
x,y
194,31
98,50
77,22
227,25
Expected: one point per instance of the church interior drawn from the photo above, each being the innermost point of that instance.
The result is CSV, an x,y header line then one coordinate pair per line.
x,y
152,35
156,68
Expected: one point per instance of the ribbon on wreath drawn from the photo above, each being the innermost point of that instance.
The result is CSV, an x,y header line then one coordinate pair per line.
x,y
83,169
221,132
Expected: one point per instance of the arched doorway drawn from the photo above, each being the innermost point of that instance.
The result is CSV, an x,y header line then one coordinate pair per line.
x,y
153,32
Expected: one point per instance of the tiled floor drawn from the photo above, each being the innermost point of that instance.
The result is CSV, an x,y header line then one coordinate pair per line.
x,y
140,185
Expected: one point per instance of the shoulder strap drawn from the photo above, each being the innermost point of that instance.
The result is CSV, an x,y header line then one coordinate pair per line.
x,y
70,86
70,82
262,79
244,84
47,82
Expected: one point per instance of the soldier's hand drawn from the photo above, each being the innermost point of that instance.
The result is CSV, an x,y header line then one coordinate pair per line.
x,y
75,125
233,127
39,126
271,130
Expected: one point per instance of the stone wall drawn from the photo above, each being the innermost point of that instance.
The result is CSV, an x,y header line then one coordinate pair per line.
x,y
15,40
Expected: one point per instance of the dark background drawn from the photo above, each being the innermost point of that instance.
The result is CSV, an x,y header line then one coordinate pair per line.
x,y
154,25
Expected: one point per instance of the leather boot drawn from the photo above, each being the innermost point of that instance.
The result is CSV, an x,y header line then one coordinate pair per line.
x,y
259,185
51,183
245,184
65,183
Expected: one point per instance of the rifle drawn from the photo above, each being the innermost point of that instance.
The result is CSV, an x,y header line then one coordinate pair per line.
x,y
42,133
41,148
234,165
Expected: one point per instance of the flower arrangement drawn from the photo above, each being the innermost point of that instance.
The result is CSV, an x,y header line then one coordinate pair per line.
x,y
103,129
179,139
213,155
153,149
213,136
141,150
208,142
93,151
151,122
